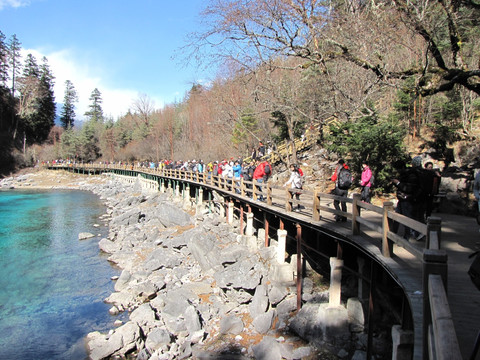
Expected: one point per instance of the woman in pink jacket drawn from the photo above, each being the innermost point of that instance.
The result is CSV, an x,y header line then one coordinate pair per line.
x,y
365,182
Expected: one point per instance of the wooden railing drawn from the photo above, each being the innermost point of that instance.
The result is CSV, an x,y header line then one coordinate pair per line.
x,y
439,337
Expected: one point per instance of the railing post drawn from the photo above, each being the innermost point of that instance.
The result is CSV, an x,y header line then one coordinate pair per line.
x,y
269,194
299,267
254,189
387,245
177,190
241,219
316,205
249,229
336,266
433,224
230,212
356,213
282,243
289,197
362,292
434,262
267,229
242,187
186,194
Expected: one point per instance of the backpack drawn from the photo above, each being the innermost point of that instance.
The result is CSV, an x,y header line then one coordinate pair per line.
x,y
267,170
248,173
344,179
372,180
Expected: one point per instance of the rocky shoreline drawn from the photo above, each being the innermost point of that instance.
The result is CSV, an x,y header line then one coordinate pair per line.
x,y
194,288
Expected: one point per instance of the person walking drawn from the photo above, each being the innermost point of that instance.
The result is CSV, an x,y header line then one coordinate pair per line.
x,y
432,187
343,180
408,192
295,182
261,174
237,173
365,182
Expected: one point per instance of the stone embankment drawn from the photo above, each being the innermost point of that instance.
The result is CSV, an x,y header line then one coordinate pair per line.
x,y
193,288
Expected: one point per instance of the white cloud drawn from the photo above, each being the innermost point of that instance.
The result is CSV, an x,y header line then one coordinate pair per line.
x,y
85,77
13,3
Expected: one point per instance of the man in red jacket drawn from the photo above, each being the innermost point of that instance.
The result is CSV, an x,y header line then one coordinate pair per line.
x,y
261,174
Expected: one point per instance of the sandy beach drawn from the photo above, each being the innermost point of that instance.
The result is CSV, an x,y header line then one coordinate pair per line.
x,y
36,178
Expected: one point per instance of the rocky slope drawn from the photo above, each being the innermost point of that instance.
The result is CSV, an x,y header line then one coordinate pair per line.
x,y
194,288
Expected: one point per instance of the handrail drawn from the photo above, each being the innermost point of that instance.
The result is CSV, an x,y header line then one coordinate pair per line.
x,y
438,331
318,204
442,339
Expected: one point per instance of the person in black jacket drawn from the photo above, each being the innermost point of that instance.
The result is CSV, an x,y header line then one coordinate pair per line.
x,y
409,195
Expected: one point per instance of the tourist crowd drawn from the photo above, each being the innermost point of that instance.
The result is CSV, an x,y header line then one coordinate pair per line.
x,y
416,185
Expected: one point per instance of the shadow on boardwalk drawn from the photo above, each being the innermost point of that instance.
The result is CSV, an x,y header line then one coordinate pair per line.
x,y
460,235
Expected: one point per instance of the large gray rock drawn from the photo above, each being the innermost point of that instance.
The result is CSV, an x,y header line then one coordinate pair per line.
x,y
200,247
259,303
267,349
192,320
355,315
160,258
231,325
123,280
263,322
122,341
108,246
276,293
143,315
170,215
321,323
85,235
158,338
131,216
241,275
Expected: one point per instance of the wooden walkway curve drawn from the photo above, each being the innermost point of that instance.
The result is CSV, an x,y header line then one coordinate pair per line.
x,y
458,238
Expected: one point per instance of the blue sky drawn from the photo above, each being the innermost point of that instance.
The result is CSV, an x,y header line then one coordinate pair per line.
x,y
122,47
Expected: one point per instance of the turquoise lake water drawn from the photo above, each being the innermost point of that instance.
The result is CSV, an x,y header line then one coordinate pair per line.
x,y
52,285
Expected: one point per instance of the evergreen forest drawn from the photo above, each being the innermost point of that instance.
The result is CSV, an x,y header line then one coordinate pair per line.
x,y
374,77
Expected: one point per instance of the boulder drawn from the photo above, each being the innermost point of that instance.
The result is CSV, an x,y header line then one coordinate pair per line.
x,y
122,341
85,235
231,325
158,338
259,303
267,349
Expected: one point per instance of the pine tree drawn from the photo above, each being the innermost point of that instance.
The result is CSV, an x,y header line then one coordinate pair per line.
x,y
47,108
95,113
14,47
14,64
68,112
3,61
37,100
30,67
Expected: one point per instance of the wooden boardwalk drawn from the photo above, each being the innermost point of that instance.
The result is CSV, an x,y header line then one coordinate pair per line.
x,y
460,236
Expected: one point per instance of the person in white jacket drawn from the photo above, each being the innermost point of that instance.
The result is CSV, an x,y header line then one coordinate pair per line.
x,y
295,182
